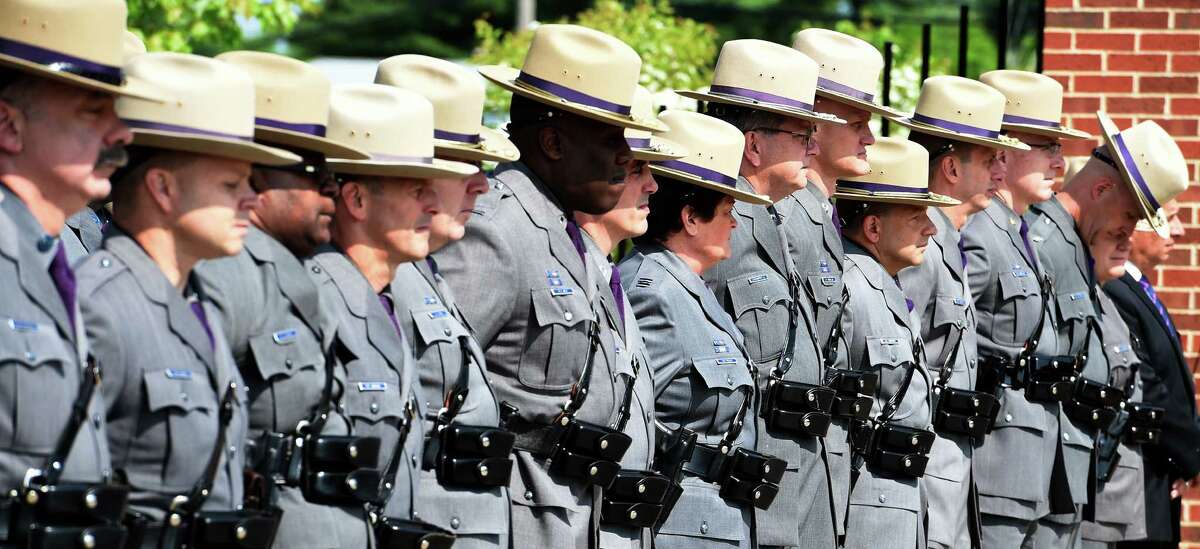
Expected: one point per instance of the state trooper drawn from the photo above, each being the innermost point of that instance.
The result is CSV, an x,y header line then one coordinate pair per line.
x,y
383,210
967,164
60,141
886,228
759,286
549,353
176,401
273,320
1107,197
629,510
462,489
703,375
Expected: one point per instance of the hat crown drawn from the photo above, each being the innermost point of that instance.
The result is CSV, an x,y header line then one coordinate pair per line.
x,y
457,94
842,59
897,162
766,67
387,122
286,89
1027,94
711,143
132,46
643,109
584,60
1158,159
91,30
202,94
961,101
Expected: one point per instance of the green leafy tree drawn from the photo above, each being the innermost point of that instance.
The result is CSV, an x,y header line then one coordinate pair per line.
x,y
210,26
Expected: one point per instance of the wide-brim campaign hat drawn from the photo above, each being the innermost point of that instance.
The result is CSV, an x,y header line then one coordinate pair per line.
x,y
1033,103
81,43
647,145
578,70
394,126
1151,164
210,110
762,75
714,154
899,175
961,109
291,102
132,46
457,94
849,69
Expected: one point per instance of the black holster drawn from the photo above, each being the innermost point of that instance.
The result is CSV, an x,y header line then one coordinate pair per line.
x,y
65,516
854,392
892,448
963,412
671,454
328,469
635,499
393,533
240,529
470,456
588,452
746,477
1108,443
797,409
1094,404
1042,379
1145,423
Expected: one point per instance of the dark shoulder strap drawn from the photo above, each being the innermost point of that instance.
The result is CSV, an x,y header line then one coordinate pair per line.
x,y
389,475
203,487
53,469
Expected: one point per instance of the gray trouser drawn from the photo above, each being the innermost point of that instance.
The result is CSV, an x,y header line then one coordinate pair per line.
x,y
1050,532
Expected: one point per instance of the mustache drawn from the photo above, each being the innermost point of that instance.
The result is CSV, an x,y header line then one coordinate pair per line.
x,y
115,157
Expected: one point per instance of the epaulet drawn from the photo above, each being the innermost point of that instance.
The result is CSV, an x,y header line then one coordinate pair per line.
x,y
647,276
487,204
100,268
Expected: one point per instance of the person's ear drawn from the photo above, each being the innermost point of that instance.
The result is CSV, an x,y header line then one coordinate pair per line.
x,y
691,224
872,228
1102,187
12,129
162,186
355,199
550,143
752,152
951,167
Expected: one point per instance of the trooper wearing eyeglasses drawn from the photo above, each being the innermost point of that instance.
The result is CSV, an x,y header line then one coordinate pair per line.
x,y
766,90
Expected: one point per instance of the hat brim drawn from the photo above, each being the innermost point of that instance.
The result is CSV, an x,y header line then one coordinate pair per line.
x,y
759,105
684,177
325,146
506,77
1109,129
417,170
493,146
247,151
660,149
1062,132
874,108
1008,144
912,199
133,87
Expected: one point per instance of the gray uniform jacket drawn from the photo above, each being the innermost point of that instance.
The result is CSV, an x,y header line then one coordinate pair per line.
x,y
531,300
83,234
815,244
273,321
942,301
753,287
632,366
701,379
1120,502
885,510
431,320
164,379
1066,258
379,368
42,354
1014,464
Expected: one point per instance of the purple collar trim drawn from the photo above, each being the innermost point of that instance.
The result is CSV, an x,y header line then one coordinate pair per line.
x,y
955,126
703,173
161,126
762,97
830,85
880,187
1014,119
572,95
1134,173
380,157
61,62
469,138
638,142
316,130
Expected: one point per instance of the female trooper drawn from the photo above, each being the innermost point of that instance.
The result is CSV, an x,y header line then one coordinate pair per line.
x,y
704,383
885,228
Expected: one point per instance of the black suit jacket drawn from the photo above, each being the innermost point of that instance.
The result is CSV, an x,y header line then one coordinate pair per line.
x,y
1167,382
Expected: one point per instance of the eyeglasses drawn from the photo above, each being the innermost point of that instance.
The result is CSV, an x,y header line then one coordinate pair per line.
x,y
1053,148
806,137
317,172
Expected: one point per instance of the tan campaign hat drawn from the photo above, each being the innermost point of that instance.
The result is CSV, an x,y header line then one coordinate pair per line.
x,y
849,69
211,110
647,145
1151,164
899,174
962,109
763,75
1033,103
79,42
457,94
715,154
291,102
132,46
395,126
578,70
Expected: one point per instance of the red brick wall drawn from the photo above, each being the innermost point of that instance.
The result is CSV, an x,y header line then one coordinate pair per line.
x,y
1140,60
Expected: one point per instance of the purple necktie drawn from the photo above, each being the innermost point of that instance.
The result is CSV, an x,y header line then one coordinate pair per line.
x,y
576,236
907,302
837,221
386,301
64,281
1028,248
198,310
614,283
962,254
1162,310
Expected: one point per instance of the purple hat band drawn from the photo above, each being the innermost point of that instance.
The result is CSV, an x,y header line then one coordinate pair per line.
x,y
955,126
380,157
315,130
1014,119
61,62
572,95
468,138
829,85
161,126
764,97
703,173
880,187
1134,173
638,142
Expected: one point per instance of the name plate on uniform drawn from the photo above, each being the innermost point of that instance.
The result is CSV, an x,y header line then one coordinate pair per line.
x,y
440,313
372,386
283,337
562,291
177,373
758,278
1077,296
22,325
726,361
